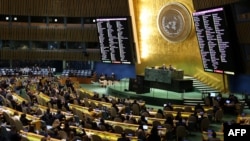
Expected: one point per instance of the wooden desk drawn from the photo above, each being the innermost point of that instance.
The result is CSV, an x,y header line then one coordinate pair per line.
x,y
18,98
44,96
123,125
35,120
243,119
44,109
219,135
149,119
91,94
105,104
35,137
130,101
108,136
175,106
134,127
82,91
183,114
85,110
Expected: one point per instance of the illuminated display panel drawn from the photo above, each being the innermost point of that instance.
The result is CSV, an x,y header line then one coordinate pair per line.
x,y
217,41
115,38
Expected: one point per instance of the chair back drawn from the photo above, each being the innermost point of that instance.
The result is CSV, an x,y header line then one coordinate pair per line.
x,y
181,132
205,124
192,119
199,110
8,103
178,109
188,109
169,115
218,115
159,115
145,114
136,109
85,138
102,127
210,114
86,103
7,117
118,119
129,131
214,139
192,123
63,134
75,102
167,109
95,138
207,101
113,112
118,129
87,125
3,100
93,105
18,125
156,123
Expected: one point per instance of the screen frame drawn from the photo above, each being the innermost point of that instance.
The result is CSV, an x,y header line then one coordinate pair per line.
x,y
233,53
129,47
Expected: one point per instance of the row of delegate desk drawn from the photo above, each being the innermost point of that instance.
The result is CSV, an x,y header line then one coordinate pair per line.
x,y
89,94
103,135
134,127
243,119
206,135
36,120
36,137
121,107
124,125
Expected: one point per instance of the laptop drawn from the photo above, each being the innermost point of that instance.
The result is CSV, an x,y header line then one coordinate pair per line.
x,y
209,133
145,127
212,94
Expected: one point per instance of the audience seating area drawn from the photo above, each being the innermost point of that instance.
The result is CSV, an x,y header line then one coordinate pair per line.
x,y
59,112
27,71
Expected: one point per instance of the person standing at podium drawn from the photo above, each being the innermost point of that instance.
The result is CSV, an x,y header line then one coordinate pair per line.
x,y
171,68
164,67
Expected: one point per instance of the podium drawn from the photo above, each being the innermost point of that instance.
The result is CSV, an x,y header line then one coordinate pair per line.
x,y
163,76
139,85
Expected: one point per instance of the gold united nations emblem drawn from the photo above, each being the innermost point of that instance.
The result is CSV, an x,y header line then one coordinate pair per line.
x,y
174,22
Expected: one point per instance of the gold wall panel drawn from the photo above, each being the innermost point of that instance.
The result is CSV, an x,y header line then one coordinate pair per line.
x,y
155,50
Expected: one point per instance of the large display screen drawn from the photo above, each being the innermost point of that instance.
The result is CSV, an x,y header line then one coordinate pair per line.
x,y
217,40
116,40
